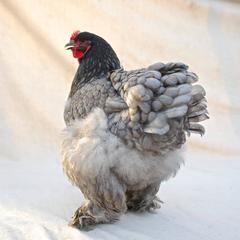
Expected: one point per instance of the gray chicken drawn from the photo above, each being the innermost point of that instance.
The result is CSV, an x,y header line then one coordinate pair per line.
x,y
124,129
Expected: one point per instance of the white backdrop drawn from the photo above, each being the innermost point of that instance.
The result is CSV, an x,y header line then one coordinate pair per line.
x,y
35,77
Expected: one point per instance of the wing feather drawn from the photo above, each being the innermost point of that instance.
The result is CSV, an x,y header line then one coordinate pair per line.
x,y
162,100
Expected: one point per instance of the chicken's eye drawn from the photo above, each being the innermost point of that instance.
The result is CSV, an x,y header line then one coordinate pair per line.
x,y
84,46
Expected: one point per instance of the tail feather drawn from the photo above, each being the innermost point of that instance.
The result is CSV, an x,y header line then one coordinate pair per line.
x,y
197,111
198,94
199,118
197,108
196,128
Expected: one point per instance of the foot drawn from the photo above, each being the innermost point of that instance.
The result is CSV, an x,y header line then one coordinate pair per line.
x,y
145,204
82,220
155,204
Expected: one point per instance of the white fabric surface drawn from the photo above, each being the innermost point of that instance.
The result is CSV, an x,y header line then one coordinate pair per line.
x,y
36,199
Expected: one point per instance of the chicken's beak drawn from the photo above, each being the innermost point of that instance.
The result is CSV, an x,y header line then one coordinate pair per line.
x,y
69,45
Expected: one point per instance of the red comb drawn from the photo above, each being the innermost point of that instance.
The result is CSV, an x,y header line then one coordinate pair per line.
x,y
74,35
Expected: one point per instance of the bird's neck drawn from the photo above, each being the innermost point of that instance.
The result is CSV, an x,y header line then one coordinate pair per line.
x,y
92,67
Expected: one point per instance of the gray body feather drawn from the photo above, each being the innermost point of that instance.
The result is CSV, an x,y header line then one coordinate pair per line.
x,y
123,132
149,109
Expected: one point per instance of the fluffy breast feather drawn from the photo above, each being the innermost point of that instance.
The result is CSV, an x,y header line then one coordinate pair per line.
x,y
90,149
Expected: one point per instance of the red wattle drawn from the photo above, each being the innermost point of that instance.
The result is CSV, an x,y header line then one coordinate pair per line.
x,y
77,53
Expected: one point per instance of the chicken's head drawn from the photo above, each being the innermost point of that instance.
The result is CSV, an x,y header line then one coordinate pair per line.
x,y
78,44
95,55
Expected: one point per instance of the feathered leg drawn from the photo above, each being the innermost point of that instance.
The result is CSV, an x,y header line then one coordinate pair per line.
x,y
107,204
144,199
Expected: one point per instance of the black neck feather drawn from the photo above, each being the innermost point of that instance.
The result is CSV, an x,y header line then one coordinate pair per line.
x,y
97,63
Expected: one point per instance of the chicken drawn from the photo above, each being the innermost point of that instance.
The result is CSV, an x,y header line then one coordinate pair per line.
x,y
125,129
